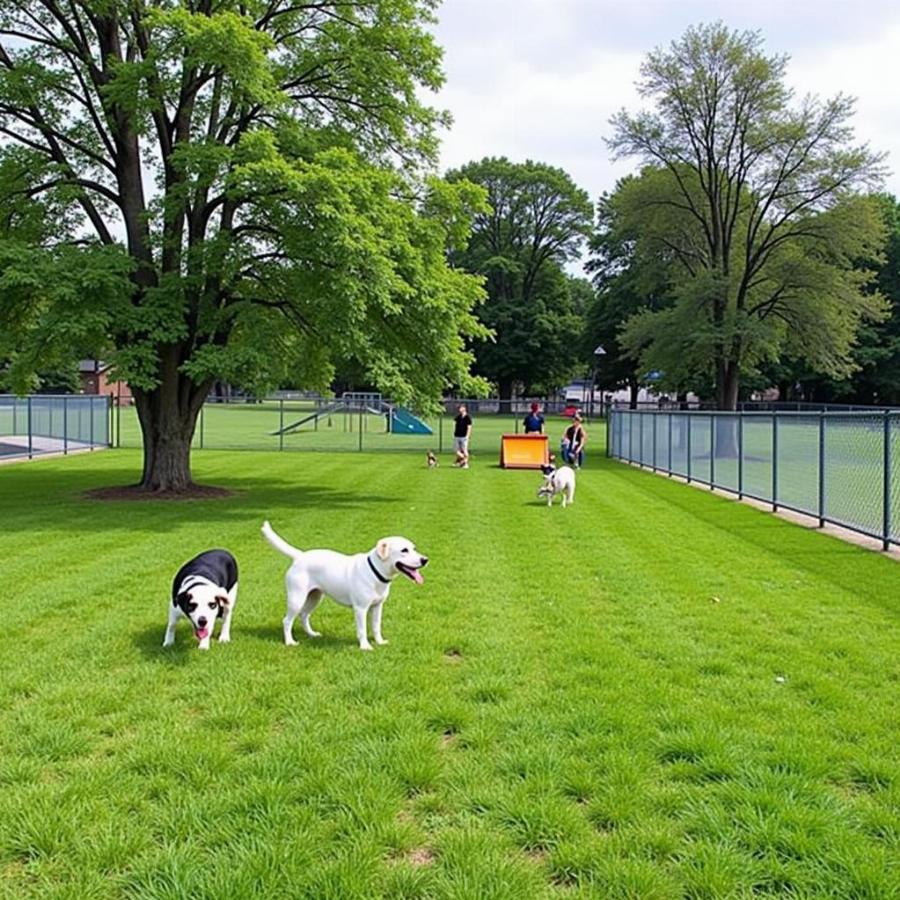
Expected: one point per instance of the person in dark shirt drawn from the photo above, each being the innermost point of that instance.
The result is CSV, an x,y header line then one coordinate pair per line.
x,y
534,421
462,430
573,442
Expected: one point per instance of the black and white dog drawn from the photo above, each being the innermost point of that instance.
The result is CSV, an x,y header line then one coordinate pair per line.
x,y
204,589
558,481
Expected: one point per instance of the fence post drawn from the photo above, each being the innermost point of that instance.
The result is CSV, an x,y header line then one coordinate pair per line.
x,y
608,448
712,452
360,429
441,433
30,447
886,479
281,424
740,450
201,424
689,430
774,462
91,420
653,420
821,470
65,425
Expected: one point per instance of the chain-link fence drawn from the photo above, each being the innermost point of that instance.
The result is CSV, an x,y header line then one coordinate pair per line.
x,y
358,422
840,467
49,423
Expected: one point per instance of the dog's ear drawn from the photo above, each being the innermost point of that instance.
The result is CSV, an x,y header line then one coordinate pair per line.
x,y
222,600
182,599
383,549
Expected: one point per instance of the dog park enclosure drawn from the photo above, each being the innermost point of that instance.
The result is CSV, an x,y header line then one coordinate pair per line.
x,y
839,467
50,423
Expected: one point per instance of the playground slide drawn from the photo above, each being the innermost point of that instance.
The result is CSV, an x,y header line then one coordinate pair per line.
x,y
404,422
524,451
324,411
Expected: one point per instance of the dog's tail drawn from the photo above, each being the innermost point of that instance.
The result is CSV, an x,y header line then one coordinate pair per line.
x,y
281,545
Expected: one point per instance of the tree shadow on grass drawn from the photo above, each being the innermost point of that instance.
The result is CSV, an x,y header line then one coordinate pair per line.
x,y
37,498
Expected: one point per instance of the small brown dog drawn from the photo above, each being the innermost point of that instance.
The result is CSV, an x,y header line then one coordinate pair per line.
x,y
432,460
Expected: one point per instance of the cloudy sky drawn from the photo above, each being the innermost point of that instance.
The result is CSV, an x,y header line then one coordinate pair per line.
x,y
539,79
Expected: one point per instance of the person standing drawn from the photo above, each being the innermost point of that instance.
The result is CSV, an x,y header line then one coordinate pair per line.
x,y
462,431
534,421
573,442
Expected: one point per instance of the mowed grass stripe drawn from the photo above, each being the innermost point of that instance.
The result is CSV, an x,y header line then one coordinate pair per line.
x,y
563,709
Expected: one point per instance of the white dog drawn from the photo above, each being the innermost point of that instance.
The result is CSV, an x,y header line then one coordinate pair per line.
x,y
361,581
558,481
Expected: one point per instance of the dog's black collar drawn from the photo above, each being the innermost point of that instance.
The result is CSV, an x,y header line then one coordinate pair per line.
x,y
376,573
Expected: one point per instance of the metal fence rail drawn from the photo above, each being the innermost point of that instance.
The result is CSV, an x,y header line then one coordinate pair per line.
x,y
304,423
840,467
49,423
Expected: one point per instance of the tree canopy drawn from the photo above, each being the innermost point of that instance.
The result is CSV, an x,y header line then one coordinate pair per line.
x,y
537,222
229,190
750,200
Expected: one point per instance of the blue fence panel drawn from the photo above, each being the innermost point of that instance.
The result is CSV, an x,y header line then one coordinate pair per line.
x,y
756,453
839,467
680,432
798,463
854,471
701,459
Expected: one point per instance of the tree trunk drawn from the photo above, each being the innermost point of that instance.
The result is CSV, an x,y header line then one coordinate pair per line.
x,y
505,387
168,416
635,389
727,384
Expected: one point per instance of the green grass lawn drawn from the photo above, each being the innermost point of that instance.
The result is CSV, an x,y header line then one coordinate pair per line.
x,y
657,693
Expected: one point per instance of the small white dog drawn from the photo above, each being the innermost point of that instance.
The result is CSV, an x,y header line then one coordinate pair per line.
x,y
558,481
361,581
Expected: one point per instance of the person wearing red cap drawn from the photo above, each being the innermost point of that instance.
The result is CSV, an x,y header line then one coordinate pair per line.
x,y
534,421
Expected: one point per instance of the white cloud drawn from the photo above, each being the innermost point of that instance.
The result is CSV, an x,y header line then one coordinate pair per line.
x,y
539,79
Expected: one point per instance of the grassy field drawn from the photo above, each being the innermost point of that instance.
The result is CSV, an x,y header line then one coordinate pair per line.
x,y
251,426
657,693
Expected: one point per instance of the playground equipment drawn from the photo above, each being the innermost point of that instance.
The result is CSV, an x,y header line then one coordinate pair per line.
x,y
398,419
404,422
524,451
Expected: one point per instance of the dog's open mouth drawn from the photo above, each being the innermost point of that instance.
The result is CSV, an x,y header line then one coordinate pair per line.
x,y
411,573
202,634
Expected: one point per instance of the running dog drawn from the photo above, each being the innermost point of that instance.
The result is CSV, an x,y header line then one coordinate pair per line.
x,y
558,481
432,460
361,581
204,589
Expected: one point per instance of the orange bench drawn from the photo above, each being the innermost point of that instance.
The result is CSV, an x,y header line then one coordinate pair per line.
x,y
524,451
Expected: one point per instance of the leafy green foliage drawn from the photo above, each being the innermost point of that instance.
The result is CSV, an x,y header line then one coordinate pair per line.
x,y
748,205
537,221
253,173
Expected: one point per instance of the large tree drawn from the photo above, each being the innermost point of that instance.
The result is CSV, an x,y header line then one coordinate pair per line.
x,y
236,193
537,222
622,288
749,196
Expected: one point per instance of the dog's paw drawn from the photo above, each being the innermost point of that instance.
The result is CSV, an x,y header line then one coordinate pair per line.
x,y
366,647
290,642
314,634
381,642
168,643
224,638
